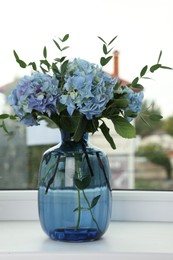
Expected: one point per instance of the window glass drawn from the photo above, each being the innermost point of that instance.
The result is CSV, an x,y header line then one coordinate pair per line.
x,y
150,23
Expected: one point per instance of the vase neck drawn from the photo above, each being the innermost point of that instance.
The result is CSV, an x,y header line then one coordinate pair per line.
x,y
68,137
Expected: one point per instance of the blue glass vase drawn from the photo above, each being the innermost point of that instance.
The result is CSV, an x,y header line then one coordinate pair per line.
x,y
74,195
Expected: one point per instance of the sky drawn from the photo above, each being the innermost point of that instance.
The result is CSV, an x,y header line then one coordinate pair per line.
x,y
144,27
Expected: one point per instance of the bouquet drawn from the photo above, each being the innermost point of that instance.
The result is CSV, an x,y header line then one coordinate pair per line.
x,y
77,95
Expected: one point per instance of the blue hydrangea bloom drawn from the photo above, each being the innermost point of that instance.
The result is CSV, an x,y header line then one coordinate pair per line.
x,y
37,93
135,100
87,88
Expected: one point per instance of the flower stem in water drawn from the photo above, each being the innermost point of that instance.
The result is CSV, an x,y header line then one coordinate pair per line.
x,y
79,211
89,208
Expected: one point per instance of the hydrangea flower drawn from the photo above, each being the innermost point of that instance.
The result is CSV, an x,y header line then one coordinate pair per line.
x,y
33,94
134,98
87,88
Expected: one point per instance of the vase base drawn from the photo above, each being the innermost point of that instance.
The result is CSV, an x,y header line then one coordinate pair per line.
x,y
72,235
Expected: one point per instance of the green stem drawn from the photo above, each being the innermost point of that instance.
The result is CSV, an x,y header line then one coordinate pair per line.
x,y
46,174
79,197
89,208
79,211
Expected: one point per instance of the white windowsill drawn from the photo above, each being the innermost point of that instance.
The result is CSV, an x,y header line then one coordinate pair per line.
x,y
24,240
142,229
127,206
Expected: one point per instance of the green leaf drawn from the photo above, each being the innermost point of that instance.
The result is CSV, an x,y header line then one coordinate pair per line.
x,y
94,201
64,67
160,54
155,67
105,131
120,103
4,116
123,127
104,49
143,71
12,117
18,60
66,122
80,128
45,52
135,81
165,67
104,61
55,68
58,59
130,113
81,208
62,58
33,64
112,40
16,55
5,128
22,64
146,78
92,125
65,38
46,63
101,39
61,107
155,117
117,85
138,86
143,119
65,48
83,183
108,51
57,45
44,71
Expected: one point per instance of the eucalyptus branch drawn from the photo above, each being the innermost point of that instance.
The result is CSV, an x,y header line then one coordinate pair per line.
x,y
44,61
145,70
62,60
3,118
104,60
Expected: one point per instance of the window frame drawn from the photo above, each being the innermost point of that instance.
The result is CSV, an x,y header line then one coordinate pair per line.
x,y
127,205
